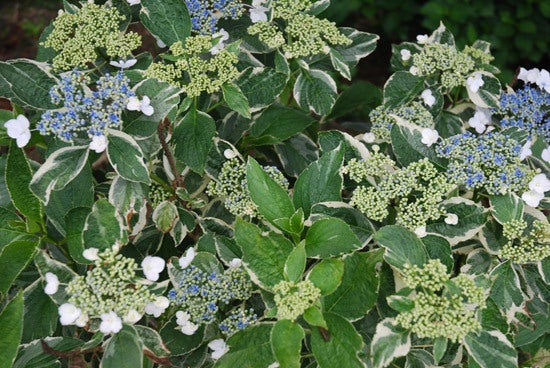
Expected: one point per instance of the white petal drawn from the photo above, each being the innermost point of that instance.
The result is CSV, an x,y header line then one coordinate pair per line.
x,y
532,198
91,254
152,267
258,14
405,54
422,39
133,104
82,320
229,154
219,348
68,314
545,154
451,219
525,151
117,64
539,184
369,137
52,283
98,143
420,231
147,110
235,262
23,139
110,323
189,328
429,136
132,316
428,97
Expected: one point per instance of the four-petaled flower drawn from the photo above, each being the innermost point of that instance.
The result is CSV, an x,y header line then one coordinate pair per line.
x,y
429,136
134,104
98,143
91,254
480,120
258,11
110,323
405,54
152,267
18,128
68,314
158,306
183,320
218,347
428,97
474,82
124,64
539,185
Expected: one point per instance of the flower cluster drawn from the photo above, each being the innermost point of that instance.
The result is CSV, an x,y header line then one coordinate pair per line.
x,y
416,190
526,109
490,161
79,37
201,65
451,66
306,34
205,14
232,186
293,298
443,307
523,247
383,118
238,319
84,110
111,291
199,293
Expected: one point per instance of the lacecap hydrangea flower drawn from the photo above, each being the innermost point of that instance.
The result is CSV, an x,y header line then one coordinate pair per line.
x,y
205,14
526,244
293,298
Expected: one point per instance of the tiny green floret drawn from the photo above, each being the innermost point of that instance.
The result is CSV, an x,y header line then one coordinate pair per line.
x,y
293,298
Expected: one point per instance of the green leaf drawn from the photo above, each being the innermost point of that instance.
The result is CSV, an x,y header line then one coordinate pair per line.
x,y
13,260
76,221
103,227
361,96
261,86
363,44
277,123
59,169
342,347
167,19
506,208
314,317
438,247
18,176
123,350
264,255
11,321
471,218
179,343
27,83
488,95
440,346
329,237
491,349
32,355
164,99
272,200
389,342
41,313
194,139
506,290
286,343
402,246
401,88
407,144
235,99
9,231
327,275
321,181
165,216
339,64
151,341
315,90
78,193
126,157
296,153
358,290
296,263
243,354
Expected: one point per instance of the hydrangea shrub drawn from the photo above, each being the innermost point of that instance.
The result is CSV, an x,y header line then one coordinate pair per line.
x,y
190,206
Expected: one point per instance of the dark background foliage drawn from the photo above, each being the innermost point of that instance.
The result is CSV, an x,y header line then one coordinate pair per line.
x,y
517,30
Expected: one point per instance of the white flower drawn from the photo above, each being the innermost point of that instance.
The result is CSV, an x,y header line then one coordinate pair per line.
x,y
525,150
451,219
235,263
186,260
134,104
543,80
98,143
369,137
124,64
422,39
258,12
91,254
187,327
52,283
545,154
18,128
158,306
68,314
222,36
528,76
474,82
152,267
132,316
133,2
429,136
229,154
532,198
481,118
160,43
219,348
539,184
428,97
414,70
110,323
82,320
420,231
405,54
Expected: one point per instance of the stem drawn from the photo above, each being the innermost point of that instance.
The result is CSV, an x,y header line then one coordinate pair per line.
x,y
178,181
